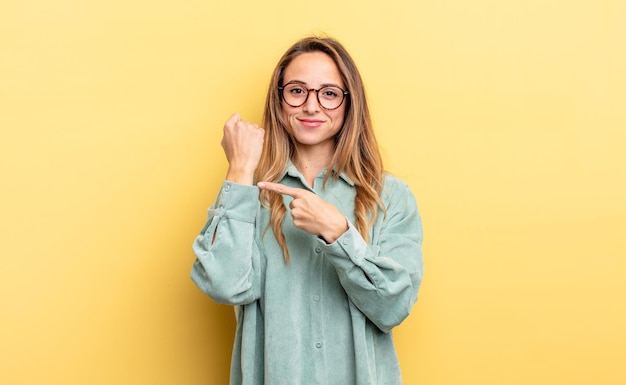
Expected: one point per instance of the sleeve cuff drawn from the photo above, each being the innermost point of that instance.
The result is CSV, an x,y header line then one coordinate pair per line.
x,y
349,246
238,201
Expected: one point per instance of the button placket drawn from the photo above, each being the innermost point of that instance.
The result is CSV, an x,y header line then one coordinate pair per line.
x,y
318,310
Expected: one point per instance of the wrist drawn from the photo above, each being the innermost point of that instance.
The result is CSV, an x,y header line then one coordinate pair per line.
x,y
334,232
240,176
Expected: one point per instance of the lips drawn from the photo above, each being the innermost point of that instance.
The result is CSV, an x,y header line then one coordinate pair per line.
x,y
311,123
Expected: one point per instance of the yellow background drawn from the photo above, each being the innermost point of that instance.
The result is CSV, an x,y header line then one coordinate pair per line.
x,y
506,118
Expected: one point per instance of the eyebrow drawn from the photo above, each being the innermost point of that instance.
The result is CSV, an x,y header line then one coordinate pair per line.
x,y
322,86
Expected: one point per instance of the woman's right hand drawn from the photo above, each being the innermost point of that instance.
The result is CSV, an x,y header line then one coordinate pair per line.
x,y
242,143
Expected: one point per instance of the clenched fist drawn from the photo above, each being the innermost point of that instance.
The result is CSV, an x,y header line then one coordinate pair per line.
x,y
242,143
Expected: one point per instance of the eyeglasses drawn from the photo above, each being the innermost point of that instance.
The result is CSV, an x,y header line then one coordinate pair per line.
x,y
296,94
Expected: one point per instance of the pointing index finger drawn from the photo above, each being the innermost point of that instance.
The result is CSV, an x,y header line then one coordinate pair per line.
x,y
280,188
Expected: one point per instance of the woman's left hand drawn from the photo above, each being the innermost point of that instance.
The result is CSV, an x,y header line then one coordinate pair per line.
x,y
311,213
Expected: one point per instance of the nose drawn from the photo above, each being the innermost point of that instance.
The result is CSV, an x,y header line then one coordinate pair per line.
x,y
311,104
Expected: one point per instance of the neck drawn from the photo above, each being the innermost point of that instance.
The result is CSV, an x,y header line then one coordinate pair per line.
x,y
310,163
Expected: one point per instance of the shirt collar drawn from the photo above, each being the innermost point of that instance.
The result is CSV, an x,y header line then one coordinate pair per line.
x,y
292,171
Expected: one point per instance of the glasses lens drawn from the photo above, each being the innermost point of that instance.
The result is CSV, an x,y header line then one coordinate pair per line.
x,y
330,97
295,94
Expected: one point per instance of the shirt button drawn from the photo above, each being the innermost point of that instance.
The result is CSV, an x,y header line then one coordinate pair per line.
x,y
227,187
316,298
318,345
346,240
318,250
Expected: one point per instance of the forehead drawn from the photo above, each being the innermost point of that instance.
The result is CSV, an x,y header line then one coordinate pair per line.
x,y
314,69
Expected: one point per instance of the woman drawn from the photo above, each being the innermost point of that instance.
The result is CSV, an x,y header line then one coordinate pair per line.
x,y
322,258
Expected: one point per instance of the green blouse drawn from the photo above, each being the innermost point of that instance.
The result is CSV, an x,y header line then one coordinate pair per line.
x,y
325,317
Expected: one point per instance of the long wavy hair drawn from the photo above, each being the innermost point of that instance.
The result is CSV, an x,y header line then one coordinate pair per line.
x,y
356,150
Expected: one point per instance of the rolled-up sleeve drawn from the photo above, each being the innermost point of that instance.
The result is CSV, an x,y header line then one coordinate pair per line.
x,y
382,279
227,256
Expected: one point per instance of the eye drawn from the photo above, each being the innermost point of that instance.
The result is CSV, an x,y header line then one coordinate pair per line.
x,y
330,92
295,89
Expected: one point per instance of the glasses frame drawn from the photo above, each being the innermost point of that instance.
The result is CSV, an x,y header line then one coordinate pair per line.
x,y
308,93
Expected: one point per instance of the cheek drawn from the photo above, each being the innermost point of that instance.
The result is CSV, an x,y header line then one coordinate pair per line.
x,y
288,112
288,116
285,113
338,117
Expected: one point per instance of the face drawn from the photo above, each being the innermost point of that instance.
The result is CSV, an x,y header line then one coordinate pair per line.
x,y
312,126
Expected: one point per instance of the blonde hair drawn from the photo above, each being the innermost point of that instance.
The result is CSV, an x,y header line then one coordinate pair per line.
x,y
356,150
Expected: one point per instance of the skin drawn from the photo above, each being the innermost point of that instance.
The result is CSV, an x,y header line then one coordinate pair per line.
x,y
243,144
313,129
312,126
